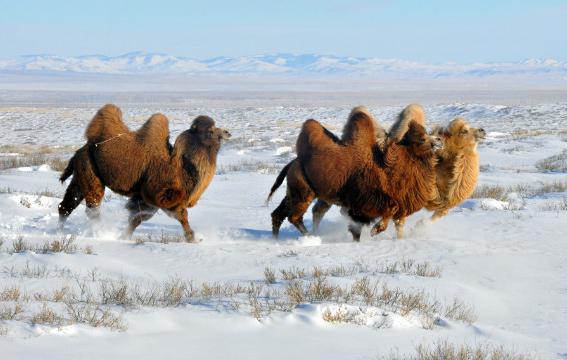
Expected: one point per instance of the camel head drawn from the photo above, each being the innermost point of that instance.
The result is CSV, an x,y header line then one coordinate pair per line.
x,y
206,131
420,142
459,135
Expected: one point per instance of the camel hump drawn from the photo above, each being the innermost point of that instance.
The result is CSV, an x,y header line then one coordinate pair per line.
x,y
105,124
155,130
314,135
361,127
411,113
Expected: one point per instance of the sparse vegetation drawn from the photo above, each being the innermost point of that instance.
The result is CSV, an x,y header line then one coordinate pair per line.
x,y
524,190
269,276
560,205
162,238
65,244
262,167
90,300
411,267
554,163
46,316
443,350
34,159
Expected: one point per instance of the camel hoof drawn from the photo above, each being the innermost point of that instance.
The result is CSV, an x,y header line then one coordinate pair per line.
x,y
190,238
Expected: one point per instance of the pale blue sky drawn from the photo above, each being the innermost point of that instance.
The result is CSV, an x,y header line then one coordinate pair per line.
x,y
420,30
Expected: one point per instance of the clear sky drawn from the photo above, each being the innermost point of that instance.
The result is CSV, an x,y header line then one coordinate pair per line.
x,y
420,30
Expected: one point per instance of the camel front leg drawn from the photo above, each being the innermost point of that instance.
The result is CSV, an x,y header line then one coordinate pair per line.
x,y
380,226
319,210
438,214
181,216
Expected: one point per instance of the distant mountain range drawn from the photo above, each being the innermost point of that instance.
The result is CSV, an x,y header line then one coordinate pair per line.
x,y
276,64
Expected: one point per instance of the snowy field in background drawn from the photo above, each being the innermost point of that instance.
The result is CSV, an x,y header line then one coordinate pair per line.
x,y
502,258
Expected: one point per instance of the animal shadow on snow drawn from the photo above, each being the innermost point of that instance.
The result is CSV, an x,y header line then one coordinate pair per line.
x,y
330,231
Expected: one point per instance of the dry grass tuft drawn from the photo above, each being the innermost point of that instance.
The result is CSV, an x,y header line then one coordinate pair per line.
x,y
443,350
65,244
458,310
10,294
262,167
555,163
293,273
524,190
555,205
411,267
11,312
37,159
489,191
46,316
269,276
95,316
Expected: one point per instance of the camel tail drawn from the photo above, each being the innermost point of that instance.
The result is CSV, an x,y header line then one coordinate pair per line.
x,y
279,180
68,170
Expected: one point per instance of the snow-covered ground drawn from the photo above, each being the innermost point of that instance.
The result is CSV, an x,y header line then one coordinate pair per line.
x,y
502,261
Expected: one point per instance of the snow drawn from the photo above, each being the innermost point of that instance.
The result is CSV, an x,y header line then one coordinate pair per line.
x,y
147,63
506,258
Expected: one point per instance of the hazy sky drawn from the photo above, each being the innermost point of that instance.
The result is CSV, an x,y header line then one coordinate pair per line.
x,y
420,30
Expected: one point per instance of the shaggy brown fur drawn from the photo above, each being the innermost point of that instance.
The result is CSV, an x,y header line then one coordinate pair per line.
x,y
458,167
143,166
411,113
358,174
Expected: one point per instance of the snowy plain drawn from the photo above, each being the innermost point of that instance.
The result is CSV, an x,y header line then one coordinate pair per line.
x,y
504,258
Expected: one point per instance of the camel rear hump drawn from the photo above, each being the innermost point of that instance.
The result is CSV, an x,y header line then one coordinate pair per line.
x,y
106,124
314,136
411,113
361,128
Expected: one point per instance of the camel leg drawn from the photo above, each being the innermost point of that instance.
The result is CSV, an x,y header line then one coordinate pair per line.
x,y
380,226
278,216
400,227
72,199
298,206
438,214
319,210
355,229
93,199
181,216
139,212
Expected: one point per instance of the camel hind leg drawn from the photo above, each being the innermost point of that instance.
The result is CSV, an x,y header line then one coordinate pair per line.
x,y
293,211
72,198
296,202
279,215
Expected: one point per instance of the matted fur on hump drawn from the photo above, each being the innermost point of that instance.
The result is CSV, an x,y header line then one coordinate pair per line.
x,y
121,156
105,124
361,127
412,112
